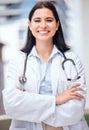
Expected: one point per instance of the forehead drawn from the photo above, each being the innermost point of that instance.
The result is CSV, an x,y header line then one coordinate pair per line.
x,y
43,12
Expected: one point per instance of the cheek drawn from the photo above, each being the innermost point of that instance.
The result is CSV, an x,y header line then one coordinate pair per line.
x,y
54,29
34,33
33,29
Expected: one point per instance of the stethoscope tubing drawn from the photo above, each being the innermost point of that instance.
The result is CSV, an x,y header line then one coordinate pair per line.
x,y
23,79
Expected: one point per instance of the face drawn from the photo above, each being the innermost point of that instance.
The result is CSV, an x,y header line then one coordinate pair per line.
x,y
43,24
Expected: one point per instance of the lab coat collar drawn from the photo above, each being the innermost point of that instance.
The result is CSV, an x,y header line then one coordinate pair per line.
x,y
33,52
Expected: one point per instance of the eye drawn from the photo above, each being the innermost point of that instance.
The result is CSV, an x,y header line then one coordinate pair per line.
x,y
49,20
37,20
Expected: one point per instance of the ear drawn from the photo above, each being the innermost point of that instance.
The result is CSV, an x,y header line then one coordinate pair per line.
x,y
29,25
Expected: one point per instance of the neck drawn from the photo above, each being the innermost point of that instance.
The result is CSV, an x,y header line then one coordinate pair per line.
x,y
44,50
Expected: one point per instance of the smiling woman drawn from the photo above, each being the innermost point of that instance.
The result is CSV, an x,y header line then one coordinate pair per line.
x,y
38,95
43,26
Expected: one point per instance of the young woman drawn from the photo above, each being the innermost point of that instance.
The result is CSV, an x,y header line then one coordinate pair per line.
x,y
45,87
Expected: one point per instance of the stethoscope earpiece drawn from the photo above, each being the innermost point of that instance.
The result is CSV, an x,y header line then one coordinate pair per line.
x,y
78,77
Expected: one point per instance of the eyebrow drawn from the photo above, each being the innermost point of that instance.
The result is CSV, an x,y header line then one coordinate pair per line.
x,y
45,18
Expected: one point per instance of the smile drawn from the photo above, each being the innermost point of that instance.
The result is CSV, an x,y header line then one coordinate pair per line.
x,y
43,32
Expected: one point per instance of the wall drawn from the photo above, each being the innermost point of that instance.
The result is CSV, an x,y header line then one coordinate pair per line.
x,y
78,32
85,18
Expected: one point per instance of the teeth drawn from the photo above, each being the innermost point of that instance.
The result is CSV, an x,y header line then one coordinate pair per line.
x,y
43,32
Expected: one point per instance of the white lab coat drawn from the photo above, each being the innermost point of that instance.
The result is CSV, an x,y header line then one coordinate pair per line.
x,y
28,109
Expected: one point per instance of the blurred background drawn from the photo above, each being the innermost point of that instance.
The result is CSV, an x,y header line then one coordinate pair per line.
x,y
13,30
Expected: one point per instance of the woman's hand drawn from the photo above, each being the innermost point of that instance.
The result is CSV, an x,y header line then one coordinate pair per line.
x,y
69,94
21,89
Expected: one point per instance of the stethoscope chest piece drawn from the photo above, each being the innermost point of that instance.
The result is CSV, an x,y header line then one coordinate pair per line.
x,y
22,79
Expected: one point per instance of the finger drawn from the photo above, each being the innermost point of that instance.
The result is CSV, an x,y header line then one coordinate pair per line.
x,y
80,95
76,89
75,85
77,95
21,89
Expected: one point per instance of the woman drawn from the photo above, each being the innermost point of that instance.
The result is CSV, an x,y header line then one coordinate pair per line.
x,y
44,99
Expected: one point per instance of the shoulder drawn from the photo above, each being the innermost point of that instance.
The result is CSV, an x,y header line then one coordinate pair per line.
x,y
17,54
71,54
17,58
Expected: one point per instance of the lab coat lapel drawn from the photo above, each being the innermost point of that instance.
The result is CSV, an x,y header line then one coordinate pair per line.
x,y
33,75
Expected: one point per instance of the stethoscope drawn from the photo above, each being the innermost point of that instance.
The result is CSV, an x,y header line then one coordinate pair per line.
x,y
23,78
73,63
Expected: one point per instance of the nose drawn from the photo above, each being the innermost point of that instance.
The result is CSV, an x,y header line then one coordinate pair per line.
x,y
43,24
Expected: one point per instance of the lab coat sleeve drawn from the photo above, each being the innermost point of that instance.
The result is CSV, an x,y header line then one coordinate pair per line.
x,y
21,105
72,111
